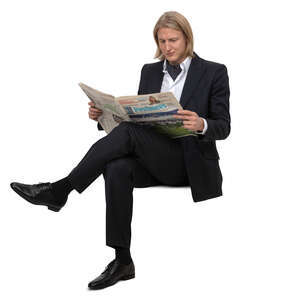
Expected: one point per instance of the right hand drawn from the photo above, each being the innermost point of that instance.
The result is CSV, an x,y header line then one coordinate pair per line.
x,y
94,113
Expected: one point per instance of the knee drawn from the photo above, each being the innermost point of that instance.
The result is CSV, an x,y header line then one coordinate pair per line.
x,y
124,125
118,168
128,126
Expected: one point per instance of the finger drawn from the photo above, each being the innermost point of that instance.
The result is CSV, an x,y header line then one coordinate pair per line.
x,y
94,116
188,123
95,109
185,118
91,113
179,116
185,112
95,112
188,127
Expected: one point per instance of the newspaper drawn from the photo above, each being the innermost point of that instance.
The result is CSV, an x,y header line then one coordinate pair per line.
x,y
155,110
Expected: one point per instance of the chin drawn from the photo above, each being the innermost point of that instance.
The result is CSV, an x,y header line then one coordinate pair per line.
x,y
172,59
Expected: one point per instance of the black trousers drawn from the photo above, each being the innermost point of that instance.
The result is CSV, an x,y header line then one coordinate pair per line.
x,y
129,156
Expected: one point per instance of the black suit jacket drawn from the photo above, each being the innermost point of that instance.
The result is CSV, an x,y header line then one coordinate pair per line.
x,y
206,92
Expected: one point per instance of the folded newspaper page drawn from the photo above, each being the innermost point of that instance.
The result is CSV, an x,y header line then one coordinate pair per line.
x,y
155,110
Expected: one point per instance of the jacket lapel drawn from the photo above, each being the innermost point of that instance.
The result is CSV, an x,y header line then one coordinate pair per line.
x,y
156,80
195,72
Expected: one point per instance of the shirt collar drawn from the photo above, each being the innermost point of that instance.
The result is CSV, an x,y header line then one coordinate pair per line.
x,y
184,65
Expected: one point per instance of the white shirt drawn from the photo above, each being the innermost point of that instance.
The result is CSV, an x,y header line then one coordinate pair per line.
x,y
176,87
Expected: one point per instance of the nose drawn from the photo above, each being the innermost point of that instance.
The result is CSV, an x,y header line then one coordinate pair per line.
x,y
168,47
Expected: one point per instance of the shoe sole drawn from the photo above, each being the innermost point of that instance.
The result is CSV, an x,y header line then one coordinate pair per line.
x,y
127,277
50,207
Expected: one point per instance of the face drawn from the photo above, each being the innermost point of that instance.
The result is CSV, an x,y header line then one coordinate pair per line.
x,y
172,44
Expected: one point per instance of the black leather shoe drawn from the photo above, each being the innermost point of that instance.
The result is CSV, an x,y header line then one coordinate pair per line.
x,y
39,194
114,272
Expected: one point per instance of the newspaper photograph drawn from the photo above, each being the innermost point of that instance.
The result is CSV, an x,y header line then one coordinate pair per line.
x,y
154,110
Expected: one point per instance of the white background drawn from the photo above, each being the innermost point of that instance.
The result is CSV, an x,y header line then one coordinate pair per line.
x,y
244,245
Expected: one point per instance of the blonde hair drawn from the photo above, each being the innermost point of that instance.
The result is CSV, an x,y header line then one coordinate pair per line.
x,y
174,20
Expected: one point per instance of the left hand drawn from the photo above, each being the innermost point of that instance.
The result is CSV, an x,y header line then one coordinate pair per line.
x,y
191,120
94,113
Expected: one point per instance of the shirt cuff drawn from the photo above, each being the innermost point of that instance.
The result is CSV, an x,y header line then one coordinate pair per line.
x,y
204,129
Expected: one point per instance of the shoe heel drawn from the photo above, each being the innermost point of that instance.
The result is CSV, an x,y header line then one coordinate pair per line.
x,y
127,277
53,208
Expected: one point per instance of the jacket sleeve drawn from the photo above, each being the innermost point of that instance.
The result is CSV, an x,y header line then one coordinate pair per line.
x,y
218,119
99,126
143,81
